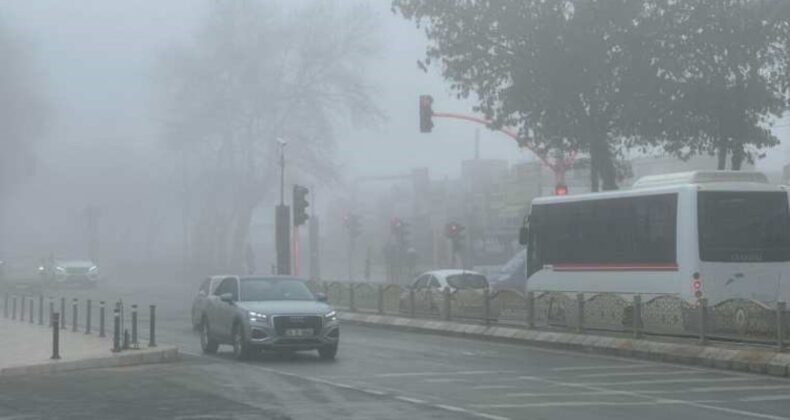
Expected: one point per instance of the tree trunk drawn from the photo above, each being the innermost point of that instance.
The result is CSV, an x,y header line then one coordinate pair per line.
x,y
241,233
602,164
721,150
737,157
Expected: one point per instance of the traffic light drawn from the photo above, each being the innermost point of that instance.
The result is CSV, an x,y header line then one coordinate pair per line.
x,y
455,233
353,225
396,225
453,230
300,204
561,189
400,230
426,113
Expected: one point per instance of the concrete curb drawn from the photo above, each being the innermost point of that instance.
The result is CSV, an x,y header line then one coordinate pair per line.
x,y
145,356
748,359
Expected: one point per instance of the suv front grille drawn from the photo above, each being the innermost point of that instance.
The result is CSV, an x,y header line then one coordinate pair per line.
x,y
284,322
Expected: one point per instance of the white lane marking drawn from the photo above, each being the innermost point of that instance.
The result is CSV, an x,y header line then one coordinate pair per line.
x,y
621,374
765,398
671,381
496,387
738,388
469,412
443,380
410,400
701,405
591,404
462,372
599,367
374,392
559,394
649,391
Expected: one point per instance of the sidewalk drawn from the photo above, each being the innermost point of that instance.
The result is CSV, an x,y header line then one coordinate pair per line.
x,y
26,348
746,358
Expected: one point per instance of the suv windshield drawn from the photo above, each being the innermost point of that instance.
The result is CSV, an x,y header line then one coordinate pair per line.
x,y
467,281
260,289
744,226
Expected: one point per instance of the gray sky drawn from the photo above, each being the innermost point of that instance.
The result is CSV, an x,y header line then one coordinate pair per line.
x,y
98,57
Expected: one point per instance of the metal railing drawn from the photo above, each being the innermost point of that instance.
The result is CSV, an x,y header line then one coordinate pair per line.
x,y
638,315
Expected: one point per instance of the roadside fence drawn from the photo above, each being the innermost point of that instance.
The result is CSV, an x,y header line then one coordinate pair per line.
x,y
639,315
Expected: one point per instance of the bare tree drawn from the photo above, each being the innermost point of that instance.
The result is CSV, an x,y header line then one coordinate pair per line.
x,y
23,116
255,73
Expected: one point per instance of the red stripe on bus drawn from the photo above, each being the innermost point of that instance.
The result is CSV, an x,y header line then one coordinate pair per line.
x,y
616,267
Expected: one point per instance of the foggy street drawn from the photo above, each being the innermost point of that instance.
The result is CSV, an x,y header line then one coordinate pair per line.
x,y
386,374
395,209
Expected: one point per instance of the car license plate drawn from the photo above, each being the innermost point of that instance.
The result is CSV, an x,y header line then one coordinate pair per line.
x,y
299,332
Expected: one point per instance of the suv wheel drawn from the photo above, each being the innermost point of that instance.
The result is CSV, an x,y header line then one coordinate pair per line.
x,y
207,344
328,352
241,349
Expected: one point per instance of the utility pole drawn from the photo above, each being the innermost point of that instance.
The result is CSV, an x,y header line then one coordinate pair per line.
x,y
282,222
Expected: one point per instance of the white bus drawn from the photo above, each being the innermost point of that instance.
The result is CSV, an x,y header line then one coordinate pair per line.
x,y
712,234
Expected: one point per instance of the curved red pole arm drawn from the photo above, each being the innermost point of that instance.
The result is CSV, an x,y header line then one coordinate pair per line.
x,y
559,167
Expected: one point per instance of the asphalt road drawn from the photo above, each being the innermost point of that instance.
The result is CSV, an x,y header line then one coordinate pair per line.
x,y
385,374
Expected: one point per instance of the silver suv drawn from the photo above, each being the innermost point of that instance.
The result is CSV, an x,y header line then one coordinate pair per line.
x,y
268,313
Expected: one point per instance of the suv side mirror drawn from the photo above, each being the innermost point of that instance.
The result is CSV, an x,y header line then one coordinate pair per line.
x,y
321,297
226,297
523,235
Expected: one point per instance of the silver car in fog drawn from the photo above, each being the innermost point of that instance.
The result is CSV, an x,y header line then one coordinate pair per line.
x,y
268,313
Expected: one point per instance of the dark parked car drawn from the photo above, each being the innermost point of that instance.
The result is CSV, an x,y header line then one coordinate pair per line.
x,y
268,313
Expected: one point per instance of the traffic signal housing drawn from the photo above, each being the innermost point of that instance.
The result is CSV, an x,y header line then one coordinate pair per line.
x,y
426,113
455,233
560,189
400,230
300,205
353,224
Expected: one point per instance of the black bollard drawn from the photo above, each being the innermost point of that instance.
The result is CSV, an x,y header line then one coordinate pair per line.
x,y
134,326
74,315
88,316
126,339
22,309
152,327
51,310
55,319
116,329
101,319
13,308
5,306
30,318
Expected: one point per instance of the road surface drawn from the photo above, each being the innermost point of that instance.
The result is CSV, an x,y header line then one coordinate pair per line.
x,y
385,374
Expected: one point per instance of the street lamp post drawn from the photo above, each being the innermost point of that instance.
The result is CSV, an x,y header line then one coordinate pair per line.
x,y
282,221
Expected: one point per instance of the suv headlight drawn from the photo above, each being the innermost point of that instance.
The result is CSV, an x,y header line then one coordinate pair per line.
x,y
59,268
258,317
92,269
331,316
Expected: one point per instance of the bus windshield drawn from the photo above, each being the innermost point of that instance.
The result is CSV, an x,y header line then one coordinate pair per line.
x,y
744,226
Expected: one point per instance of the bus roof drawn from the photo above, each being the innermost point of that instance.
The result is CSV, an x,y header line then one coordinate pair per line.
x,y
700,177
675,182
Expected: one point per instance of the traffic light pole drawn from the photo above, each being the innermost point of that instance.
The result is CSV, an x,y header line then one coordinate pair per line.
x,y
295,252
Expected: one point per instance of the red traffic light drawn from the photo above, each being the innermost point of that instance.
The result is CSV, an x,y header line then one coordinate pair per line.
x,y
561,189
